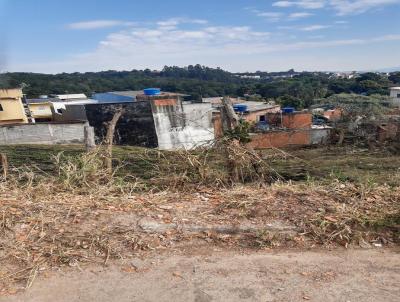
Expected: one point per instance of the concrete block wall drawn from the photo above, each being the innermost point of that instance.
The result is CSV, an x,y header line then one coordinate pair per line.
x,y
45,133
320,136
182,126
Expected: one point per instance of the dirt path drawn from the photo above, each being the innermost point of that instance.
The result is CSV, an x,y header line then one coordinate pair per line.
x,y
354,275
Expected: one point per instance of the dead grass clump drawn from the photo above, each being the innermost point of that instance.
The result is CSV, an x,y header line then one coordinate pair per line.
x,y
246,165
182,168
84,170
87,172
224,164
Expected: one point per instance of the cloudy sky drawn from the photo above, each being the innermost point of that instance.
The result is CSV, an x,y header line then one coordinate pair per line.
x,y
237,35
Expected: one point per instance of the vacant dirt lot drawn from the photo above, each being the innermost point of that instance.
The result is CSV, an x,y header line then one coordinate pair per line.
x,y
351,275
75,233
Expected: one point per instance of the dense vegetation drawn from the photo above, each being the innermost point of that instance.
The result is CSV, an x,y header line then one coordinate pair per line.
x,y
297,89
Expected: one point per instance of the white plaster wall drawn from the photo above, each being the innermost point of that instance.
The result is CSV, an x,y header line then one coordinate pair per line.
x,y
394,92
192,127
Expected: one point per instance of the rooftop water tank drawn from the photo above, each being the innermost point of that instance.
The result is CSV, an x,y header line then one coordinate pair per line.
x,y
152,91
240,107
288,110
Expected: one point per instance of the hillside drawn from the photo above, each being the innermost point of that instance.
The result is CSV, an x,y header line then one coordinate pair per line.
x,y
287,88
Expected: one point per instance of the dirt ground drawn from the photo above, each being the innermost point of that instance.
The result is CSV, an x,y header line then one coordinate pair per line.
x,y
220,275
81,236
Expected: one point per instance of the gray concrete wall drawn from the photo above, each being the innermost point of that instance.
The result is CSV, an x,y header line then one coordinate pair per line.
x,y
320,136
42,134
183,126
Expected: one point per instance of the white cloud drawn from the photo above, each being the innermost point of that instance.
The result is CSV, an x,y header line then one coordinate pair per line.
x,y
174,22
341,22
96,24
314,27
299,15
387,38
349,7
270,16
305,4
173,43
342,7
277,16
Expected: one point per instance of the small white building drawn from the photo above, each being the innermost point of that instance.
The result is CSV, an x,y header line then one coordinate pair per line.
x,y
395,95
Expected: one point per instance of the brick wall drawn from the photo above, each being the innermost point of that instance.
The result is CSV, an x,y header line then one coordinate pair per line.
x,y
333,115
287,138
297,120
280,139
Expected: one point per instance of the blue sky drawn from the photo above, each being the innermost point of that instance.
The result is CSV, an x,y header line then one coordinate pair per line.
x,y
90,35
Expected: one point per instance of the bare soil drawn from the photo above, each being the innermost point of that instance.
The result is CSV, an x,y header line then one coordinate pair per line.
x,y
82,221
41,230
220,275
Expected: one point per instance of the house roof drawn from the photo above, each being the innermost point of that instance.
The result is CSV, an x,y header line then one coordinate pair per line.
x,y
70,96
257,106
135,93
132,93
252,106
42,100
218,100
79,102
65,102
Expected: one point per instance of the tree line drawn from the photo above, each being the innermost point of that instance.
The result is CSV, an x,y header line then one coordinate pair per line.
x,y
298,90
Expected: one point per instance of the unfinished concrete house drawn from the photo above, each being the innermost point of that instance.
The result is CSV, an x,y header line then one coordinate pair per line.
x,y
153,118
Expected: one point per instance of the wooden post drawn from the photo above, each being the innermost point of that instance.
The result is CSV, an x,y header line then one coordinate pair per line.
x,y
110,137
89,138
231,120
341,137
4,165
229,114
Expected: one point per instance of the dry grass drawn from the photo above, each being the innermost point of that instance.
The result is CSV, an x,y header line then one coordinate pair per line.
x,y
222,165
339,213
84,215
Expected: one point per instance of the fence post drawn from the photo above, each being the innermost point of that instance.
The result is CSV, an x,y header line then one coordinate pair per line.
x,y
89,138
4,165
110,137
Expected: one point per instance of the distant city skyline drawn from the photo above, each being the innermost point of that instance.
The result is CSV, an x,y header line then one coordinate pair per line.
x,y
243,35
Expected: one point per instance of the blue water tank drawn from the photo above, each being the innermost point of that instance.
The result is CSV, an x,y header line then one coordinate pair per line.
x,y
152,91
240,107
288,110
